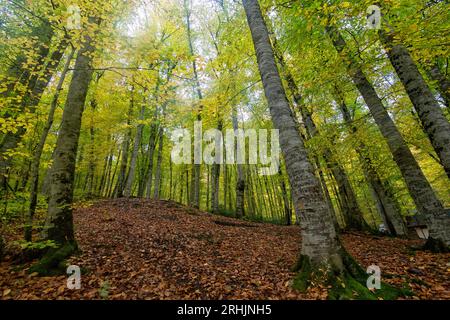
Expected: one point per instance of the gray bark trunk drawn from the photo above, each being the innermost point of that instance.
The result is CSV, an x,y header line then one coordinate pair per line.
x,y
151,151
386,204
195,185
319,239
215,175
424,197
137,143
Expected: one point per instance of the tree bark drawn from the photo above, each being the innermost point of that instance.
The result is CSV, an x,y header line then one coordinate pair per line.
x,y
240,183
386,203
319,239
40,147
122,178
215,177
137,143
443,83
59,221
195,185
424,197
433,120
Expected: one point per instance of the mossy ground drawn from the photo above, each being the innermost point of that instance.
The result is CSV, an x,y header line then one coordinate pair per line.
x,y
349,284
53,262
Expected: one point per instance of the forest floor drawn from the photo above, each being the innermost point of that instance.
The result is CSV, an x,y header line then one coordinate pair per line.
x,y
141,249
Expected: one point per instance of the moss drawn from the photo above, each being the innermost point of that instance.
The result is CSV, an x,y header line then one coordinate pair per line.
x,y
303,278
349,288
54,260
347,284
436,246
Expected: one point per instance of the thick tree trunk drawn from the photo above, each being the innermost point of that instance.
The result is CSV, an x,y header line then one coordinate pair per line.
x,y
40,147
59,221
433,120
350,207
424,197
319,239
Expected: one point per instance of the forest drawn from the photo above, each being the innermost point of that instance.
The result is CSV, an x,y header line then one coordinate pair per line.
x,y
224,149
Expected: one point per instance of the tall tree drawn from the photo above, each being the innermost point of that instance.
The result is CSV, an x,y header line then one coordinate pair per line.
x,y
321,247
134,155
195,185
59,220
386,203
432,117
421,191
40,147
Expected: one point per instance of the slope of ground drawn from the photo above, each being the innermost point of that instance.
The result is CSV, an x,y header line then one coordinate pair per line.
x,y
140,249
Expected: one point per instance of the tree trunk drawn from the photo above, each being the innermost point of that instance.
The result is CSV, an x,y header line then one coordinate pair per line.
x,y
240,183
59,221
137,143
424,197
40,147
320,244
433,120
387,205
215,175
195,188
158,163
121,181
151,151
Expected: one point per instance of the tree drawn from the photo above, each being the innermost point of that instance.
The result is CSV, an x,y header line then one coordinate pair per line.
x,y
421,191
195,185
430,113
38,151
321,247
59,220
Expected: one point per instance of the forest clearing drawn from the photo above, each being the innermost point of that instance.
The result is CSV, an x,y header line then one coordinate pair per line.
x,y
224,150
